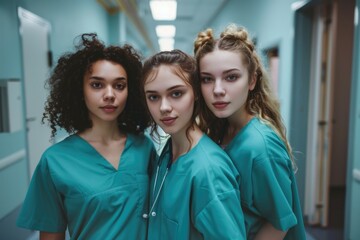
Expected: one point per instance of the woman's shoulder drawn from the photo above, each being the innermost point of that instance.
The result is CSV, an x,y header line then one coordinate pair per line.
x,y
207,147
252,138
270,138
267,144
264,132
258,140
63,144
211,156
212,168
63,149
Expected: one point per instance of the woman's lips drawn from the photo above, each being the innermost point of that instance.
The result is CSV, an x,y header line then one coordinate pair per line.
x,y
168,120
220,105
108,109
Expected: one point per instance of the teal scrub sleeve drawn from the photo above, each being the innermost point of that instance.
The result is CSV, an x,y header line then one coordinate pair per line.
x,y
273,193
216,204
43,208
222,218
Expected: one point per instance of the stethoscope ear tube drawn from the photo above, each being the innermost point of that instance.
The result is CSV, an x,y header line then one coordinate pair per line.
x,y
151,212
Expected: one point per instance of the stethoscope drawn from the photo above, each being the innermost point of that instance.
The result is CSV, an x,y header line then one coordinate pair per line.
x,y
168,166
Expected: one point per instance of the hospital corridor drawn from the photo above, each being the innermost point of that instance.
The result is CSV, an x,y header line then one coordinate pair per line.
x,y
310,49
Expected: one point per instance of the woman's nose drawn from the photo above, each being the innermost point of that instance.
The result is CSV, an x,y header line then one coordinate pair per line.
x,y
218,88
109,94
165,106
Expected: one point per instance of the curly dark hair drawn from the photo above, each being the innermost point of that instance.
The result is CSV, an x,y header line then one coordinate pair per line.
x,y
65,106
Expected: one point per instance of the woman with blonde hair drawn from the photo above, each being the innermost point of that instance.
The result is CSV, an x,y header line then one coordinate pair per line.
x,y
240,113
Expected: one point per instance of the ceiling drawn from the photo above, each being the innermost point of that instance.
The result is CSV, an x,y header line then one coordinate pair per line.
x,y
192,16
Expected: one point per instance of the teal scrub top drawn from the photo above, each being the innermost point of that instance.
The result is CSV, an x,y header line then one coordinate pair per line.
x,y
200,196
74,186
268,185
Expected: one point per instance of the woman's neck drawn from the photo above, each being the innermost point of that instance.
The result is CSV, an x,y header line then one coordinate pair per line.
x,y
181,144
102,133
235,125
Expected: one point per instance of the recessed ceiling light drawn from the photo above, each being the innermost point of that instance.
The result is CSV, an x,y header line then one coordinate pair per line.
x,y
163,9
165,31
166,44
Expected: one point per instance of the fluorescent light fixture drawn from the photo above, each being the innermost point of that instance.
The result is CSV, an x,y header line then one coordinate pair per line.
x,y
165,31
356,16
298,4
166,44
163,9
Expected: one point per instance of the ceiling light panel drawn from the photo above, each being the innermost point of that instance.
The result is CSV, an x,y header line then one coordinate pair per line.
x,y
165,31
166,44
163,9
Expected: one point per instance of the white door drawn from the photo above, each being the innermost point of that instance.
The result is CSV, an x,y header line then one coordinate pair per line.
x,y
34,33
320,115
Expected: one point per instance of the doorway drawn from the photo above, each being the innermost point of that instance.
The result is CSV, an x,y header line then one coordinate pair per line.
x,y
320,111
273,61
34,34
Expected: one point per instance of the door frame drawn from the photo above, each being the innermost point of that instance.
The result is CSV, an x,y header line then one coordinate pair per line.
x,y
319,137
300,94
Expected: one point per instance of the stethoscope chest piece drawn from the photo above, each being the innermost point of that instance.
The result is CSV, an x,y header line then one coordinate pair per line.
x,y
146,216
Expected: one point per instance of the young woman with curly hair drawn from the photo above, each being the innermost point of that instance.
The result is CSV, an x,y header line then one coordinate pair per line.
x,y
95,181
241,114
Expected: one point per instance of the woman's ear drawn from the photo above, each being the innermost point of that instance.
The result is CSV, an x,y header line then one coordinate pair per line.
x,y
252,82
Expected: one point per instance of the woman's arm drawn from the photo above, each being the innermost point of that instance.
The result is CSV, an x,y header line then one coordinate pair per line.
x,y
52,236
268,232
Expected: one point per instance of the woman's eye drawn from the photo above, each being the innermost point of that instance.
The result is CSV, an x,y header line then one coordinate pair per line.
x,y
120,86
176,94
205,79
96,85
232,77
152,98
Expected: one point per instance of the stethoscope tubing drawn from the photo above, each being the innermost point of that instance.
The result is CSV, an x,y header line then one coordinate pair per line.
x,y
151,212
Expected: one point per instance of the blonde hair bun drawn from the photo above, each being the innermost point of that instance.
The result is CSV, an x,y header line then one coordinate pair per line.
x,y
235,32
203,38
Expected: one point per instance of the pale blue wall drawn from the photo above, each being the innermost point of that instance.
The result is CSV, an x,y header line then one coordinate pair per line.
x,y
13,179
68,19
132,36
9,41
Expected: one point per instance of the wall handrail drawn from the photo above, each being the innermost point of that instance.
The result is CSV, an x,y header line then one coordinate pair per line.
x,y
12,158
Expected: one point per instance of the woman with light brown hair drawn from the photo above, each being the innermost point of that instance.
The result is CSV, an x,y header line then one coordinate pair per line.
x,y
239,112
194,192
